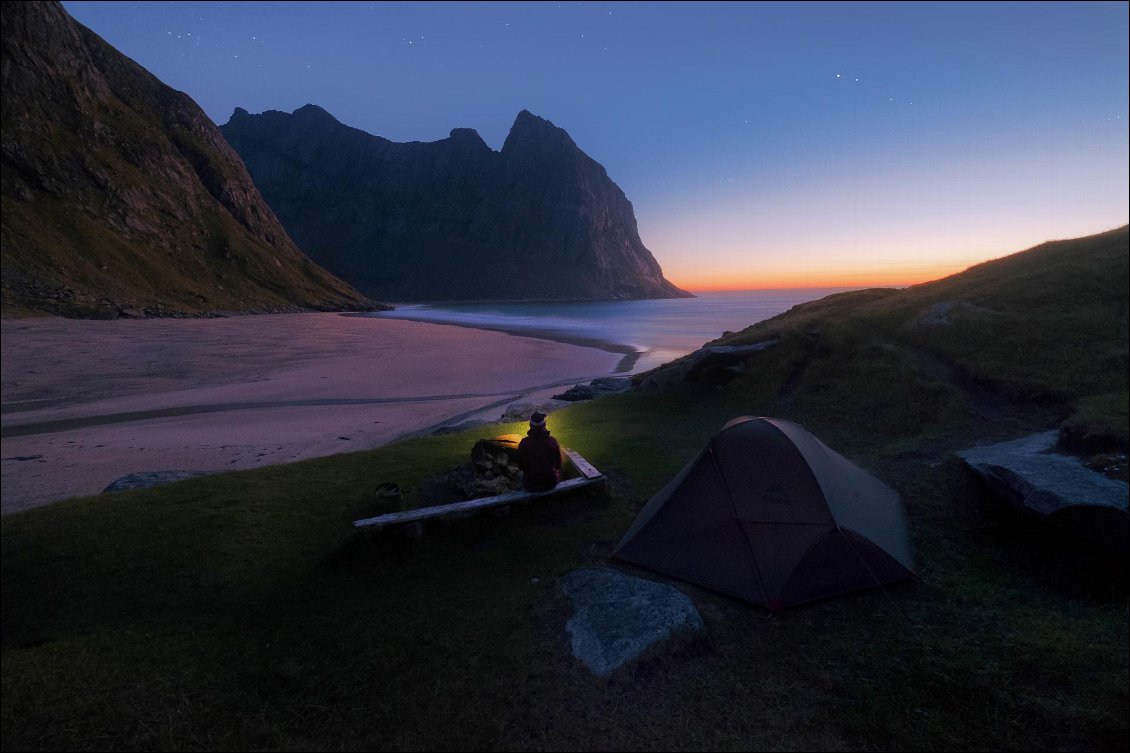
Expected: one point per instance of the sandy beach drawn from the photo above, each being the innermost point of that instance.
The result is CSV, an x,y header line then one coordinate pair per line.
x,y
87,402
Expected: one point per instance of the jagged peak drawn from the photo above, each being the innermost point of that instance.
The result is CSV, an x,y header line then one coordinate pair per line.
x,y
467,136
529,129
306,113
527,121
527,117
310,111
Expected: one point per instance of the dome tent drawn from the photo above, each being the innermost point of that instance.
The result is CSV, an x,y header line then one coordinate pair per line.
x,y
770,514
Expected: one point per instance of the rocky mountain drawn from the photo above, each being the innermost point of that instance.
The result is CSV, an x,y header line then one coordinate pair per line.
x,y
120,195
451,219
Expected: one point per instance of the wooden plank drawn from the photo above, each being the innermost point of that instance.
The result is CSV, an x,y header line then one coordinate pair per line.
x,y
424,513
582,465
590,476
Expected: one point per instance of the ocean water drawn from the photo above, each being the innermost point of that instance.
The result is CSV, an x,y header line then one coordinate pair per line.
x,y
649,333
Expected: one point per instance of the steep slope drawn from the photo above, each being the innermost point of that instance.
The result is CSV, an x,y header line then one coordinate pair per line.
x,y
451,219
120,194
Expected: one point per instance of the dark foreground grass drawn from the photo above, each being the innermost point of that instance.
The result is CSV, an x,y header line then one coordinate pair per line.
x,y
242,611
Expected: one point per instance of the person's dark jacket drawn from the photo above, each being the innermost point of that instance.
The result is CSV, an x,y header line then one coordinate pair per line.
x,y
539,457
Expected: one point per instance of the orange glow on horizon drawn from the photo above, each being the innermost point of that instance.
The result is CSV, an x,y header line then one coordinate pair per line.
x,y
781,280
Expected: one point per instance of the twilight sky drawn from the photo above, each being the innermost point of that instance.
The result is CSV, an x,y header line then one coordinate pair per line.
x,y
761,144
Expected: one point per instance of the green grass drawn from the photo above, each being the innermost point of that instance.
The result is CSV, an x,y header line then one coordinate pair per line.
x,y
243,611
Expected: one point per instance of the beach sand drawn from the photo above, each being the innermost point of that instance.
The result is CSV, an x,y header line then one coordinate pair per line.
x,y
87,402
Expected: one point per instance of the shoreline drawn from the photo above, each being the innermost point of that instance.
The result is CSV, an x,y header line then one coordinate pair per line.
x,y
629,355
86,402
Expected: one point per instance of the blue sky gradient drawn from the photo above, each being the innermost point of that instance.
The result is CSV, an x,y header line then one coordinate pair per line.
x,y
761,144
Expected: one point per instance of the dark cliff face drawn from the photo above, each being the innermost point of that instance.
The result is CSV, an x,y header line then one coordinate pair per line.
x,y
119,193
451,219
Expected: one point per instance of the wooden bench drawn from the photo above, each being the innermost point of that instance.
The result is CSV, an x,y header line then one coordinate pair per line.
x,y
589,475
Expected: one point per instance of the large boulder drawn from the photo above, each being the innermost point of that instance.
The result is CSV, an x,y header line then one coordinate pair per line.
x,y
618,617
1028,474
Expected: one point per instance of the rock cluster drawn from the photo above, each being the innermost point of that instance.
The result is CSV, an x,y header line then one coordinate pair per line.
x,y
494,474
598,387
492,470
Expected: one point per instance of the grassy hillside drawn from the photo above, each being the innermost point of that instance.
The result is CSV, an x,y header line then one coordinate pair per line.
x,y
242,611
67,263
121,196
1038,336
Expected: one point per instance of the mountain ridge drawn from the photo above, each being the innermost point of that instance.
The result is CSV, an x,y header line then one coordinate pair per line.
x,y
450,219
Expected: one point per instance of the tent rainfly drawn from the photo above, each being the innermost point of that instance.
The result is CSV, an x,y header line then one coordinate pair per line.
x,y
770,514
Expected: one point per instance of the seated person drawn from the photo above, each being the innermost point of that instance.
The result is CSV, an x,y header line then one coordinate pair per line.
x,y
539,457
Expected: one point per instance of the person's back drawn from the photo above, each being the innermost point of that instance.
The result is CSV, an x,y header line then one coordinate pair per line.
x,y
539,457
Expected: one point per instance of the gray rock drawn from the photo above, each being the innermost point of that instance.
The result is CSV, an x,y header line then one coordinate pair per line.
x,y
618,617
577,393
523,411
1031,475
937,315
145,479
1028,475
501,448
598,387
714,364
945,312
